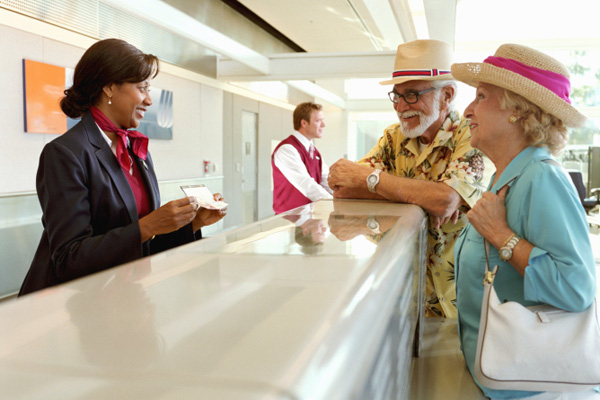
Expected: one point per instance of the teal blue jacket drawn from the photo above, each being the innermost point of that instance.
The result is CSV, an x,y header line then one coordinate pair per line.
x,y
542,206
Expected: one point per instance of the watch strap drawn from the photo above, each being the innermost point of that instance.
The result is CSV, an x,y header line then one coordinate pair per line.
x,y
509,246
373,180
373,225
508,240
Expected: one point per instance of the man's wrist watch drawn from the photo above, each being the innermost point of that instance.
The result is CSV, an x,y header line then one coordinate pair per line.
x,y
373,225
373,180
506,251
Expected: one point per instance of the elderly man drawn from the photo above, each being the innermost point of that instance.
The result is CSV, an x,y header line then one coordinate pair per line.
x,y
425,159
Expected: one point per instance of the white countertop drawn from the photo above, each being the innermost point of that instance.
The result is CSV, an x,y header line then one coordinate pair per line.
x,y
246,314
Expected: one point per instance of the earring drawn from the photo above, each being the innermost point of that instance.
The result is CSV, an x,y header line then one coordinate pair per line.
x,y
512,119
109,100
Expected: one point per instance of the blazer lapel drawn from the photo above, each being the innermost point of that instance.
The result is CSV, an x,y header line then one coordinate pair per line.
x,y
108,160
146,169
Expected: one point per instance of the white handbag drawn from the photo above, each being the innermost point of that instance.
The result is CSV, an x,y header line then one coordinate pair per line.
x,y
537,348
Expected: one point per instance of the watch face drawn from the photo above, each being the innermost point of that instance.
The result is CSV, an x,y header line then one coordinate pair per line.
x,y
505,254
372,178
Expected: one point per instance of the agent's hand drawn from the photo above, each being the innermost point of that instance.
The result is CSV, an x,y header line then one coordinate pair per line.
x,y
205,217
168,218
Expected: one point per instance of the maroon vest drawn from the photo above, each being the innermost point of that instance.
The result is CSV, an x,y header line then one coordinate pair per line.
x,y
285,195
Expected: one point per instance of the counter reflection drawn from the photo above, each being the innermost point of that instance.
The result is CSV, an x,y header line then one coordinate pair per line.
x,y
327,228
115,319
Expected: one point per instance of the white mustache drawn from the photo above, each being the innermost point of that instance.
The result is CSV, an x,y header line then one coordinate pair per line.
x,y
411,113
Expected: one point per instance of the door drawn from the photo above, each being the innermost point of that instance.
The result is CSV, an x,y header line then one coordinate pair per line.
x,y
249,166
240,135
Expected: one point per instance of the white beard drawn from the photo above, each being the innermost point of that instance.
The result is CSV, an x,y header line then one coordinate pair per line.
x,y
425,121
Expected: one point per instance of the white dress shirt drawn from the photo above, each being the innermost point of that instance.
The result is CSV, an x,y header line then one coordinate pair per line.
x,y
289,162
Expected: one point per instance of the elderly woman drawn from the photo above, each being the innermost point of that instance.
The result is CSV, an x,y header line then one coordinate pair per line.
x,y
96,183
531,214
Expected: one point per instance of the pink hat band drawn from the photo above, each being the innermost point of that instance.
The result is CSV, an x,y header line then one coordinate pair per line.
x,y
552,81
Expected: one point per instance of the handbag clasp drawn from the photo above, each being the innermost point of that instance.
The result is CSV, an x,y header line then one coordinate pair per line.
x,y
488,277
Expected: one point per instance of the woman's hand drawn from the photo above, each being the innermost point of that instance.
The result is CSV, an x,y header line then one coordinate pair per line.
x,y
205,217
488,217
168,218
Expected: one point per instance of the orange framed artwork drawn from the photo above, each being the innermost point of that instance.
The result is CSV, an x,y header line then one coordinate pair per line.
x,y
44,86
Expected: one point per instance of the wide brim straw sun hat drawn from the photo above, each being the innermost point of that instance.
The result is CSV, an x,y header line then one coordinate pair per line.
x,y
530,73
428,60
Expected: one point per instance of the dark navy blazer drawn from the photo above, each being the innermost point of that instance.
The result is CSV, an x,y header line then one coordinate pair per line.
x,y
89,212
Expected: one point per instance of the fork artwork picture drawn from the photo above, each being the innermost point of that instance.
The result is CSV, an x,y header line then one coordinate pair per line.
x,y
158,120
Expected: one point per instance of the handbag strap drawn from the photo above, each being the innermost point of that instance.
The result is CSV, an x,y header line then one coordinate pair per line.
x,y
489,275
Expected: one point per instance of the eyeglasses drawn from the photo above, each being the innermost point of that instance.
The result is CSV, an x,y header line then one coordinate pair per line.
x,y
410,96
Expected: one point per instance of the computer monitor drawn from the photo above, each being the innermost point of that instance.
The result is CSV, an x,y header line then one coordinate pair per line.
x,y
593,178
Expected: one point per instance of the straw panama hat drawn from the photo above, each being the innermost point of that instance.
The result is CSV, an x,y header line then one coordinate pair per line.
x,y
530,64
421,60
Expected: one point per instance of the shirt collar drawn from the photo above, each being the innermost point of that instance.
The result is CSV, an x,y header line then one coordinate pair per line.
x,y
518,164
112,146
303,139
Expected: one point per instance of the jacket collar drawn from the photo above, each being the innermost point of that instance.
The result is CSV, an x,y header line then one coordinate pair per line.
x,y
519,164
108,160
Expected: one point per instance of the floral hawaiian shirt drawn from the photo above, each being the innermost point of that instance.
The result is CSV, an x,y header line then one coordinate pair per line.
x,y
449,158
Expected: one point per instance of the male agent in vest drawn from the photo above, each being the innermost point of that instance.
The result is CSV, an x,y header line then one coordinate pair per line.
x,y
424,159
299,172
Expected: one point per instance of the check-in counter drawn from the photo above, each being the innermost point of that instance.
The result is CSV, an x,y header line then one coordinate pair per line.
x,y
321,302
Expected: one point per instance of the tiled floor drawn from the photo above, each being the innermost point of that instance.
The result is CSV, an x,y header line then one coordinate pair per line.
x,y
440,373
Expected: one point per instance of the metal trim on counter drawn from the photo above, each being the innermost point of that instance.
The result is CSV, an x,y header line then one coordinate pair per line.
x,y
321,302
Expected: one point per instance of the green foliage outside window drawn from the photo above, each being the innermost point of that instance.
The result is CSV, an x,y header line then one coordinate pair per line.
x,y
586,95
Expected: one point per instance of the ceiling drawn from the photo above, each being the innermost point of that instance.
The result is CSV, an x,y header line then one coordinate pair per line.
x,y
329,29
358,38
345,39
324,26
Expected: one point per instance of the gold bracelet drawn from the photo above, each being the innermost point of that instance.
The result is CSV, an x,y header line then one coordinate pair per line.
x,y
508,240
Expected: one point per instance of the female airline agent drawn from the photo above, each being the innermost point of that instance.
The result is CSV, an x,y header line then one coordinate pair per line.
x,y
96,183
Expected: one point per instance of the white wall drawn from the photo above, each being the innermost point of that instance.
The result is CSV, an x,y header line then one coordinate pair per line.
x,y
333,145
19,151
197,119
197,130
275,124
197,135
199,127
